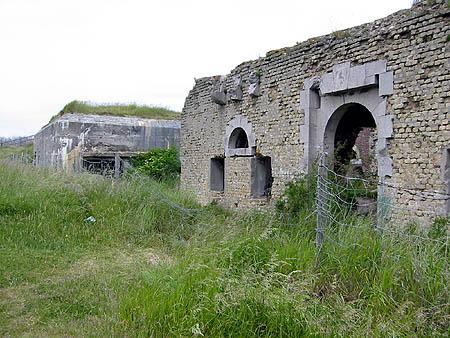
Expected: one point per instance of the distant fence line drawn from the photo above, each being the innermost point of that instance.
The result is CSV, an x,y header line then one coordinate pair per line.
x,y
16,141
24,158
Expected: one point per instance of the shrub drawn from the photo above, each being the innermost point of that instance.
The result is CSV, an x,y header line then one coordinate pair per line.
x,y
158,163
298,196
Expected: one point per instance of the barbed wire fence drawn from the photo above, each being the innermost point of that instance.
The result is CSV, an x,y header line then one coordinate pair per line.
x,y
341,201
344,201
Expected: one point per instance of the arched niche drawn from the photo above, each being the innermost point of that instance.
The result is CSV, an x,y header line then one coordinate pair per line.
x,y
239,138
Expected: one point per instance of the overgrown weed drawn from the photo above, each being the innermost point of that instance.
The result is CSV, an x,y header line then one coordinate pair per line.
x,y
229,273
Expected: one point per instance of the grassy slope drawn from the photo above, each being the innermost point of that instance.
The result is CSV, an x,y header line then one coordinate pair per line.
x,y
156,264
151,112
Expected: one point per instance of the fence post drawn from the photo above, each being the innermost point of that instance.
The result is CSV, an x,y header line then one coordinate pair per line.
x,y
383,205
320,203
116,166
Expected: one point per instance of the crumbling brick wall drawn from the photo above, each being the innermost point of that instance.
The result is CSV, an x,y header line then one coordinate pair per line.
x,y
414,46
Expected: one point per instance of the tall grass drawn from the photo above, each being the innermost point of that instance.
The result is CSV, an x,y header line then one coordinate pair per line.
x,y
118,109
228,274
267,283
45,211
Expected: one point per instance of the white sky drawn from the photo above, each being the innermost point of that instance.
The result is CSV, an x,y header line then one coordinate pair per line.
x,y
145,51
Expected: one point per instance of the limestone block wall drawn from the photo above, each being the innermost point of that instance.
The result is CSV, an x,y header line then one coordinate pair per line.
x,y
398,65
64,142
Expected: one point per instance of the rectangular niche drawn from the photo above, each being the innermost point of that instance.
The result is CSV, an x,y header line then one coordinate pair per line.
x,y
217,174
261,177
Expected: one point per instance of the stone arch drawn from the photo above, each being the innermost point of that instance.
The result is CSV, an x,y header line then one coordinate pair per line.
x,y
350,126
239,137
367,84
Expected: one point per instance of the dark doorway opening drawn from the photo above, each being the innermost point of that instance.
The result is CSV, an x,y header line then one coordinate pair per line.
x,y
104,165
354,143
261,176
217,174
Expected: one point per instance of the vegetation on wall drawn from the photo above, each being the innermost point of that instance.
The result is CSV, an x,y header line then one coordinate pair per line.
x,y
118,109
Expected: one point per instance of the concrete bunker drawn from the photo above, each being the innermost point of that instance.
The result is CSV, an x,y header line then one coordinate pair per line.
x,y
75,141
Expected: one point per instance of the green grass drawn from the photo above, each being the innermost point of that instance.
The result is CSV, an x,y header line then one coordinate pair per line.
x,y
155,263
117,109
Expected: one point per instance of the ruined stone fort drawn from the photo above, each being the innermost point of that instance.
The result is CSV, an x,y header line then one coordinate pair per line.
x,y
382,87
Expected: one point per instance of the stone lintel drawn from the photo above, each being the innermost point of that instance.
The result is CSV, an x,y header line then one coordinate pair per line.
x,y
345,77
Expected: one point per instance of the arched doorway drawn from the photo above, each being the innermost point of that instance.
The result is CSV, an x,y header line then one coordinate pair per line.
x,y
349,140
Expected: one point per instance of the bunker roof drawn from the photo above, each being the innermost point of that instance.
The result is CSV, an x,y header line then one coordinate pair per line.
x,y
117,109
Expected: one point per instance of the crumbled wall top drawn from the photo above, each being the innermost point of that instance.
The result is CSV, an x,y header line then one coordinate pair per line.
x,y
391,27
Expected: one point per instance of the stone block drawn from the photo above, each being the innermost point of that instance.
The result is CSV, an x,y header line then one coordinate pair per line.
x,y
380,110
341,73
327,83
236,92
385,128
375,67
219,97
304,99
384,166
303,133
386,84
254,84
357,77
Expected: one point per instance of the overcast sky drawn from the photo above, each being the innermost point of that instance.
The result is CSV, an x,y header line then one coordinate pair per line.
x,y
149,52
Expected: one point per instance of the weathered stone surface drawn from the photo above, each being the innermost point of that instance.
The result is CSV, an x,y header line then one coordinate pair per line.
x,y
65,141
397,67
386,83
219,93
236,92
253,87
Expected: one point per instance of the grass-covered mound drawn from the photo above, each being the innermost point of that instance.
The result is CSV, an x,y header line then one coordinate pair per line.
x,y
118,109
87,256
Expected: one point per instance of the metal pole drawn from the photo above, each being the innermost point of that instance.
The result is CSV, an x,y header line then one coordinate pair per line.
x,y
320,204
